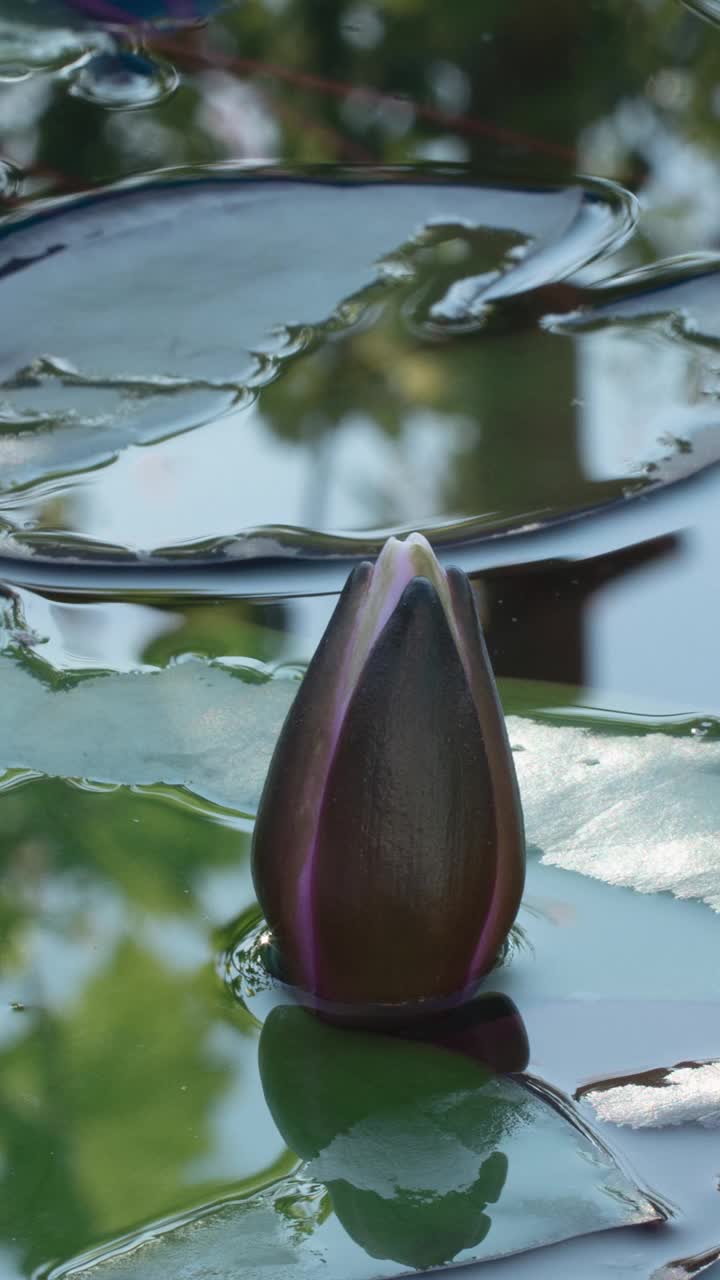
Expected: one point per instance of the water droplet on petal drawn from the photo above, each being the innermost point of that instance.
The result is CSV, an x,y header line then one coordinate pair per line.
x,y
123,80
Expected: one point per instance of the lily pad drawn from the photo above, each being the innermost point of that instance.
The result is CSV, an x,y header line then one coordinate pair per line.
x,y
197,725
688,1093
281,314
428,1158
641,810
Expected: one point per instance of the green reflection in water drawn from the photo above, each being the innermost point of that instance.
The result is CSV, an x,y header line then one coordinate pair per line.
x,y
122,1068
415,1155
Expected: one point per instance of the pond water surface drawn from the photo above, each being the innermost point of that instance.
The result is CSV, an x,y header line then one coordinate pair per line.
x,y
277,279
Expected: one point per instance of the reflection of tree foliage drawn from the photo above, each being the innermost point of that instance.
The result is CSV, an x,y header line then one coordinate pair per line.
x,y
393,361
220,627
43,1209
92,1125
150,850
379,356
479,77
106,1090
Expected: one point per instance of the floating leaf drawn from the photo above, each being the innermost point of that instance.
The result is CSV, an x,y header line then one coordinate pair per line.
x,y
688,1093
641,810
415,1156
685,1268
194,725
281,314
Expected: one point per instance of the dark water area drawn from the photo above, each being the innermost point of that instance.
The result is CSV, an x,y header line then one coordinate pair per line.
x,y
279,278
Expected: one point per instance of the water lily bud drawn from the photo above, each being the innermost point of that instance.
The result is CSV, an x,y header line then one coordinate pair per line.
x,y
389,853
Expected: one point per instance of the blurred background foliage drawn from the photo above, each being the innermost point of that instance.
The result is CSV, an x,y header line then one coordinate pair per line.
x,y
121,1061
606,87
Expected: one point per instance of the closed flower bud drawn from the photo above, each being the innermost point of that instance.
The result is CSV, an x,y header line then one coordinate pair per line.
x,y
388,854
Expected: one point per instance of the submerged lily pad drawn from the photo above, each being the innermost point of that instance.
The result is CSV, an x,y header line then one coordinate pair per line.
x,y
427,1158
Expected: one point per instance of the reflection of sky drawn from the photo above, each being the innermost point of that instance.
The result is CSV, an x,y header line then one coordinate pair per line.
x,y
633,388
243,1136
218,886
11,1267
180,944
653,632
111,635
77,928
240,476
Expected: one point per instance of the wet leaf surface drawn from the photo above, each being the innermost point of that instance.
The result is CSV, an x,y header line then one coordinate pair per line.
x,y
641,810
688,1093
430,1157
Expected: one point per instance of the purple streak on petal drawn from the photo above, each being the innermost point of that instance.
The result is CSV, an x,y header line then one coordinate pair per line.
x,y
288,810
510,862
306,904
396,566
306,913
